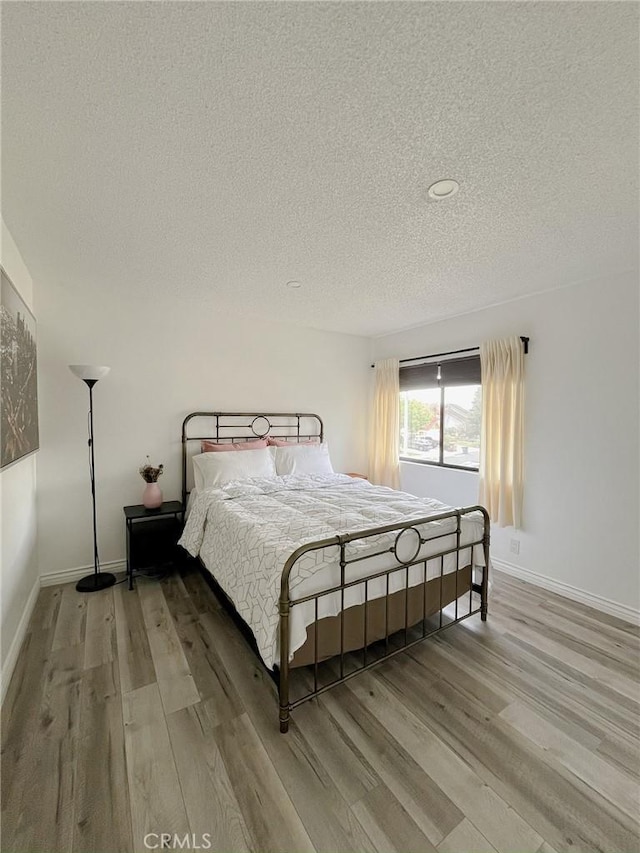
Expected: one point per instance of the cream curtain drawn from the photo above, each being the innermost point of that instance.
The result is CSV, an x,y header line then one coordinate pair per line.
x,y
501,453
384,442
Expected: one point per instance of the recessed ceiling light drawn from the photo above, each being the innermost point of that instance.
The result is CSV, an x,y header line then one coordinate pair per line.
x,y
294,285
443,189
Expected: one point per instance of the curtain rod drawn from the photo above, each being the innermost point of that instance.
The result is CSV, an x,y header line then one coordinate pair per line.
x,y
524,340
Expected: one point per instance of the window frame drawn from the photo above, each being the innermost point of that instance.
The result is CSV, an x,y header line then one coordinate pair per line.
x,y
441,463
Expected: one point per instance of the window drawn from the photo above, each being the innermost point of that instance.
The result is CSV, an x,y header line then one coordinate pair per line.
x,y
440,413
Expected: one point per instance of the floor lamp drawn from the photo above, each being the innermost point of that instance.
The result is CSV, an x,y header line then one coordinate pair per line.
x,y
90,374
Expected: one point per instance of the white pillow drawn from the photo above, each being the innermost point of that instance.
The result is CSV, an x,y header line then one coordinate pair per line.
x,y
216,469
303,459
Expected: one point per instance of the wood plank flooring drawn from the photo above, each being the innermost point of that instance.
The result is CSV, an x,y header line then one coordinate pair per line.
x,y
145,712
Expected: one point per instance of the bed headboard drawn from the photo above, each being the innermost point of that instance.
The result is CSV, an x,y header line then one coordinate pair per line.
x,y
231,427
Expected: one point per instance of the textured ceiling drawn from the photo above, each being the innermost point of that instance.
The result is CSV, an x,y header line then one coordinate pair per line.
x,y
213,151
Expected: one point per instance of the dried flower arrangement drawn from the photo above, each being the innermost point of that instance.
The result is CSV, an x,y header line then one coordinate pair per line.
x,y
149,473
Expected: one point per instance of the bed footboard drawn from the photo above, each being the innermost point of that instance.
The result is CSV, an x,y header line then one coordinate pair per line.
x,y
406,557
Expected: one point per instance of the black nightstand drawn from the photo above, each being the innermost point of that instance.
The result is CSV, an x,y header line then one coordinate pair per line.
x,y
152,536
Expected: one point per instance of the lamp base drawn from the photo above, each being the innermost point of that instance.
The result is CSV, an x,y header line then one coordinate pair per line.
x,y
94,582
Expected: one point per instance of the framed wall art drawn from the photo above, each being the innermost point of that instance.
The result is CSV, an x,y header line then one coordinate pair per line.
x,y
18,376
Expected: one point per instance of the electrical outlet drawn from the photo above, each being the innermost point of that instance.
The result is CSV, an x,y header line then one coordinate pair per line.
x,y
515,546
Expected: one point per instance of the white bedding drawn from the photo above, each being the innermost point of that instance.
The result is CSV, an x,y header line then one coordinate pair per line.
x,y
245,531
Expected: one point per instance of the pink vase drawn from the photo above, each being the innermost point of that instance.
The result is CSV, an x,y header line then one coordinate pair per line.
x,y
152,496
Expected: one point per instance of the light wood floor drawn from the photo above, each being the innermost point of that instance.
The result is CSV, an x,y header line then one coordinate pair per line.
x,y
145,712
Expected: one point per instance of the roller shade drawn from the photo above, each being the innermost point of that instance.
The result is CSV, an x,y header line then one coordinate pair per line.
x,y
454,371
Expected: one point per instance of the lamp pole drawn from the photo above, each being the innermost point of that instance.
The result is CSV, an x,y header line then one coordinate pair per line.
x,y
97,580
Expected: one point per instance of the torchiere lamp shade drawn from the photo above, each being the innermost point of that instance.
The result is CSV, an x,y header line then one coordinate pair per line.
x,y
89,372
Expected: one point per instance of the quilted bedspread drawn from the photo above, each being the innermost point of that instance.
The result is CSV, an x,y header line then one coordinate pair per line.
x,y
245,531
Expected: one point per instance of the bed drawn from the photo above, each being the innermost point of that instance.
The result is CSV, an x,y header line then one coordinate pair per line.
x,y
329,573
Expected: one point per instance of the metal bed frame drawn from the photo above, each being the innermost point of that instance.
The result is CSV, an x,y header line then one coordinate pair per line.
x,y
225,428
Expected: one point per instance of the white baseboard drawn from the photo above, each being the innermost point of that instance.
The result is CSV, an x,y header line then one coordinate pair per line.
x,y
605,605
16,644
72,575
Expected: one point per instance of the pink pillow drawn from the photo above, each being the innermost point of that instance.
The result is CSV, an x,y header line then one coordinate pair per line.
x,y
212,447
277,442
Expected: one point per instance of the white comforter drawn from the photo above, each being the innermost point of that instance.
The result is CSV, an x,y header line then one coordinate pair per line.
x,y
245,531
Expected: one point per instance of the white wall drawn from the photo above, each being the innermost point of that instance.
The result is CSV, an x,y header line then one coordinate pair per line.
x,y
167,358
18,566
581,510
